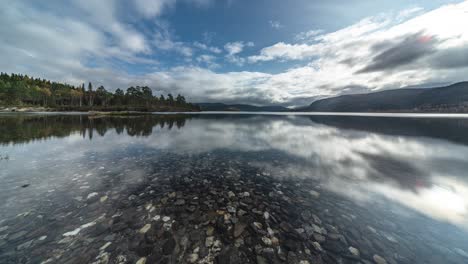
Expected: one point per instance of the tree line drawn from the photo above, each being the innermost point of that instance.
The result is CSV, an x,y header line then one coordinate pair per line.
x,y
22,90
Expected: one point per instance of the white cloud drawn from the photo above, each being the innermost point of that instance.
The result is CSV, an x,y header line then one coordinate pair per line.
x,y
62,48
275,24
166,43
234,48
336,58
203,46
102,15
308,35
152,8
208,60
285,51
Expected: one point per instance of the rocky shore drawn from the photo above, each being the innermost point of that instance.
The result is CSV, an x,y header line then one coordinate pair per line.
x,y
214,209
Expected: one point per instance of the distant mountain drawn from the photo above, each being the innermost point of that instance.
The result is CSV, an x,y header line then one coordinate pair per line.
x,y
240,107
452,98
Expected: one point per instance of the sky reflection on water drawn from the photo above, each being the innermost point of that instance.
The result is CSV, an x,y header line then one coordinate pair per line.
x,y
425,172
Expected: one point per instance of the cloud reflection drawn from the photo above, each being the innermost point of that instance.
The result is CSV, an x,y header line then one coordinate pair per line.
x,y
360,164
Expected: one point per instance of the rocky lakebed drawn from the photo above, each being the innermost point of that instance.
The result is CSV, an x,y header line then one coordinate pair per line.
x,y
214,208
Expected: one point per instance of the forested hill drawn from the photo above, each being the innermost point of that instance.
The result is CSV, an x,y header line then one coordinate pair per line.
x,y
452,98
22,91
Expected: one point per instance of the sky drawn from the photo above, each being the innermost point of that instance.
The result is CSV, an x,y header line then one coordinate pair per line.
x,y
258,52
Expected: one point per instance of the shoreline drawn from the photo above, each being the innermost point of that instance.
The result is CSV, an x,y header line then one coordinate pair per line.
x,y
43,110
32,110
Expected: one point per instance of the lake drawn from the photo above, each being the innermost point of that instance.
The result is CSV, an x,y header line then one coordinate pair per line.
x,y
233,188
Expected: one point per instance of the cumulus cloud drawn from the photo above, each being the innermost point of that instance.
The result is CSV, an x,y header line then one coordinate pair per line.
x,y
234,48
381,52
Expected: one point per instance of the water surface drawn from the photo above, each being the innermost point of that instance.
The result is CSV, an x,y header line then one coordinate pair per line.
x,y
229,188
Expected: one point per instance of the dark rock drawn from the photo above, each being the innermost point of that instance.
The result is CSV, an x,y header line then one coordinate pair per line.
x,y
239,228
168,246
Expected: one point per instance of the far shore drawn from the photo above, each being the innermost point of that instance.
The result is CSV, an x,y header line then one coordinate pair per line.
x,y
95,111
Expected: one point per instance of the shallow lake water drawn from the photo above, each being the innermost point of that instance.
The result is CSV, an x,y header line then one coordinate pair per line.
x,y
229,188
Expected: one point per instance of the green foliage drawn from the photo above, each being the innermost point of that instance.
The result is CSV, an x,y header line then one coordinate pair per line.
x,y
22,90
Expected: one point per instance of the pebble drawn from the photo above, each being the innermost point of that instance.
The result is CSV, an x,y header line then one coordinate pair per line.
x,y
105,246
180,202
92,195
354,251
314,194
231,209
209,231
209,241
241,212
193,258
145,229
317,246
266,241
379,260
141,261
239,228
103,199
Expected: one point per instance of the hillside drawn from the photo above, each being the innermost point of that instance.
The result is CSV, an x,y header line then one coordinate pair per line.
x,y
452,98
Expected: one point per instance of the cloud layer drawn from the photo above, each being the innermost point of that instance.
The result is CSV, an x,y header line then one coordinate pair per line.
x,y
117,44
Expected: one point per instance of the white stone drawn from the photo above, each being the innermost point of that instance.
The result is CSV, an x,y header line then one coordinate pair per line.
x,y
92,195
379,260
141,261
193,258
314,194
105,246
266,241
317,246
145,229
354,251
209,241
103,198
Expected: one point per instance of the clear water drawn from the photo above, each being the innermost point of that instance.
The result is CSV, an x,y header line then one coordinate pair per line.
x,y
226,188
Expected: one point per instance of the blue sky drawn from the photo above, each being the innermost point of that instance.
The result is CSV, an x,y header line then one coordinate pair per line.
x,y
235,51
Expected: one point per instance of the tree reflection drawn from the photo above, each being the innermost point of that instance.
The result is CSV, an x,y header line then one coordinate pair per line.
x,y
16,129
